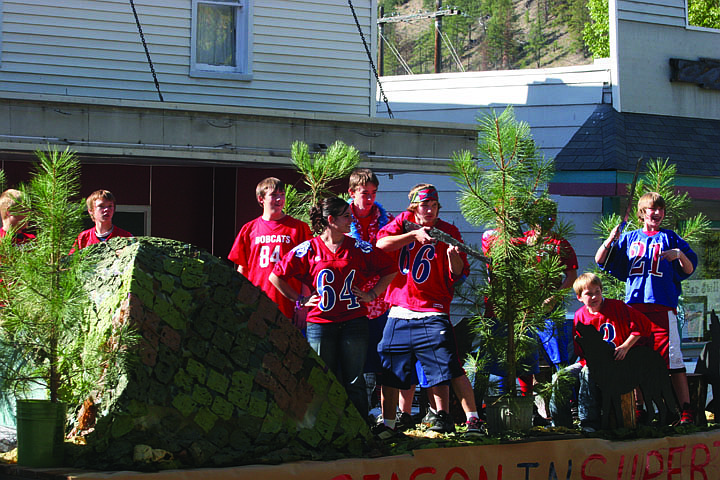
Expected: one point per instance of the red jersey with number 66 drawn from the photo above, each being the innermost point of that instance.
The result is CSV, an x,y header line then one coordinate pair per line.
x,y
333,274
260,245
425,282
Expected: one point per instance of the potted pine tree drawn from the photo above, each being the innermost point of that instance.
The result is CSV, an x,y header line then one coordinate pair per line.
x,y
41,319
504,189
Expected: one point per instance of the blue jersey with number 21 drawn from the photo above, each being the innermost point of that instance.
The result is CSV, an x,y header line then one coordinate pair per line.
x,y
648,278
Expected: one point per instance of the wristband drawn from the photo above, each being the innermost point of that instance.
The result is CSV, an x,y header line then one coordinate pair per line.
x,y
300,303
606,247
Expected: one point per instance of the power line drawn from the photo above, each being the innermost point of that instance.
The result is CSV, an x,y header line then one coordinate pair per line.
x,y
372,64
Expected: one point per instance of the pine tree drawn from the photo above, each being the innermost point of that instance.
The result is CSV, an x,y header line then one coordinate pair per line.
x,y
536,38
500,44
42,320
319,171
505,189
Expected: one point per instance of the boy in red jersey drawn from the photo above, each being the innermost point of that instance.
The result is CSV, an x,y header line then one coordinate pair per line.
x,y
13,222
418,327
101,208
263,242
621,325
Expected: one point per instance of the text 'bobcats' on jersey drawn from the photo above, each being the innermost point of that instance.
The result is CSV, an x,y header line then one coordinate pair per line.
x,y
263,243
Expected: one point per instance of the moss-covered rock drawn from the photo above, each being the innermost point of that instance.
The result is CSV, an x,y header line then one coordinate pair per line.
x,y
221,377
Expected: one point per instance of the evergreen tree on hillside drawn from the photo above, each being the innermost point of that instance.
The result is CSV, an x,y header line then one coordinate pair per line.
x,y
500,44
536,37
579,15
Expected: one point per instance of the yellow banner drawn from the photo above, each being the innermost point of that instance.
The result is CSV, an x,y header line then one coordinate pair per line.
x,y
688,457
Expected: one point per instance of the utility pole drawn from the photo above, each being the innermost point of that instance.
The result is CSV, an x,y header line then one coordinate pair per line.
x,y
438,40
381,52
437,15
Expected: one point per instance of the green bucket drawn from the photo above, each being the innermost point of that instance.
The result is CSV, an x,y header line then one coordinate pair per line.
x,y
40,433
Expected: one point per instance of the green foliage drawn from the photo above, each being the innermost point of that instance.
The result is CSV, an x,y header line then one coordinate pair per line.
x,y
560,386
579,16
485,35
711,259
660,178
704,13
504,189
500,45
319,171
597,31
536,39
42,320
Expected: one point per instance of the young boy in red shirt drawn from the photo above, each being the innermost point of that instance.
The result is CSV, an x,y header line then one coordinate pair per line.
x,y
263,242
101,208
621,325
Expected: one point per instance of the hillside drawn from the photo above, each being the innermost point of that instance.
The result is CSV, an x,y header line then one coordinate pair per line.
x,y
555,39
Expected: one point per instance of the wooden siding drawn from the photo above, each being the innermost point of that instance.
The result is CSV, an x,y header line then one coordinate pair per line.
x,y
661,12
306,55
554,101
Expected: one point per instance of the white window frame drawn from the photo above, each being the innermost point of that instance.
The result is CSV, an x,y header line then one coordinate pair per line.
x,y
144,209
243,38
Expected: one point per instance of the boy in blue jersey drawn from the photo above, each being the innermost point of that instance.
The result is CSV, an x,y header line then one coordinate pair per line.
x,y
652,261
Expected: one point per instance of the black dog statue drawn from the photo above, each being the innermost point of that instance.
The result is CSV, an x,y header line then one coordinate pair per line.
x,y
642,367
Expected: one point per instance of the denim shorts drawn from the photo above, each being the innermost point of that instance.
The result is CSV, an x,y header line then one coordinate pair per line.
x,y
429,341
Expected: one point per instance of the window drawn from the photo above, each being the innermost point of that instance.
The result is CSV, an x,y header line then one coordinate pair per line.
x,y
220,39
133,218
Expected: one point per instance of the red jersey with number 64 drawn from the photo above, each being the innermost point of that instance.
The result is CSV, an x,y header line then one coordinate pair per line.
x,y
333,274
260,245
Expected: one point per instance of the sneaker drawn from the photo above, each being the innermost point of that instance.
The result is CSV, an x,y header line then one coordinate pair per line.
x,y
383,432
429,419
443,423
538,420
404,421
475,428
688,415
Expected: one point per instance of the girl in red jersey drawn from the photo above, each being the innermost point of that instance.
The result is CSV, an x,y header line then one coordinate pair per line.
x,y
334,265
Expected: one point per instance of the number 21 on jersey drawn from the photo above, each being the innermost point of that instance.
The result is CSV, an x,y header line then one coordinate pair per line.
x,y
640,259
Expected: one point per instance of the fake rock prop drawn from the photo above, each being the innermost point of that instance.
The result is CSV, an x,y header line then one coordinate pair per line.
x,y
222,377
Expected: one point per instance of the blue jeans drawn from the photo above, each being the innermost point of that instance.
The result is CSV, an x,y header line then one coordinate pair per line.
x,y
588,400
343,348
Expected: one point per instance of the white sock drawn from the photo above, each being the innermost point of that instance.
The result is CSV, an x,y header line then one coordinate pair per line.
x,y
470,415
390,423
